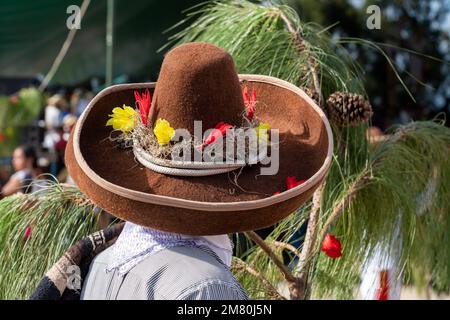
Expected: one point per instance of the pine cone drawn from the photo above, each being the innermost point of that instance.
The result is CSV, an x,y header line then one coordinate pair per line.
x,y
348,109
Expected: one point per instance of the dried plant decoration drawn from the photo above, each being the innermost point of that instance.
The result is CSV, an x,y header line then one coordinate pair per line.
x,y
131,128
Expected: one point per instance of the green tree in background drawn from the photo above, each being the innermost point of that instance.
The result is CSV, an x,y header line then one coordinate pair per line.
x,y
420,26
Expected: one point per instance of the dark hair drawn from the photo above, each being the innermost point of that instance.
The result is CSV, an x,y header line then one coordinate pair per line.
x,y
30,153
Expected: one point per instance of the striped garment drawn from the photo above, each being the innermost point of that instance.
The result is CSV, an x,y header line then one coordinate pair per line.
x,y
177,273
136,242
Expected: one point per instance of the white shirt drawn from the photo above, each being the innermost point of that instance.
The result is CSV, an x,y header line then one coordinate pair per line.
x,y
52,117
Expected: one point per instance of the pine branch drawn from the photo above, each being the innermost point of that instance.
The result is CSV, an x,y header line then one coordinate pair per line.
x,y
316,82
264,246
296,285
301,47
311,232
278,245
345,203
310,237
239,264
286,246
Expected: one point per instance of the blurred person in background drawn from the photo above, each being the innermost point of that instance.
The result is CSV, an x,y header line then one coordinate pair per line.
x,y
53,112
79,101
4,177
53,123
24,163
69,122
41,179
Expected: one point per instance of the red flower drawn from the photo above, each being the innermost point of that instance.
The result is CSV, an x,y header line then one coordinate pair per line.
x,y
383,290
291,182
331,246
216,133
249,103
27,233
2,137
14,100
144,102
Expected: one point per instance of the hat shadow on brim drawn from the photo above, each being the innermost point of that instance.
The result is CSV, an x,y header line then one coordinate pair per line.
x,y
116,182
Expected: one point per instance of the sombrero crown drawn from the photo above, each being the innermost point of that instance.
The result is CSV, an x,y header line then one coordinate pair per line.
x,y
198,82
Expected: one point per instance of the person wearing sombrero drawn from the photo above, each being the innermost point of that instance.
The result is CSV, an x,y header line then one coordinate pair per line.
x,y
136,152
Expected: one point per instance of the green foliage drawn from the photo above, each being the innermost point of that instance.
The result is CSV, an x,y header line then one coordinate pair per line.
x,y
403,208
28,107
9,137
258,39
16,112
58,216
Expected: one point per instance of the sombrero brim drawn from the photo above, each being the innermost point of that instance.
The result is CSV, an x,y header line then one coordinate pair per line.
x,y
116,182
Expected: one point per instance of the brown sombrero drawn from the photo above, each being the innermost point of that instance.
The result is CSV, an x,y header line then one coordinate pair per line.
x,y
198,81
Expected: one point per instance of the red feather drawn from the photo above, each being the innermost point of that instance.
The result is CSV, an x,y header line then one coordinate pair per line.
x,y
383,291
249,103
219,130
144,102
291,182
